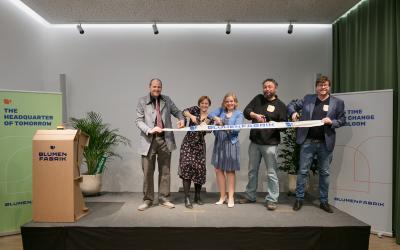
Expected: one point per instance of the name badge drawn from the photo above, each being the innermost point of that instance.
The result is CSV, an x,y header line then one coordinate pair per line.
x,y
325,108
270,108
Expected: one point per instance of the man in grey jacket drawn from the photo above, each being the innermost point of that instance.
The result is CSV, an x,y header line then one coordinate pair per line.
x,y
153,113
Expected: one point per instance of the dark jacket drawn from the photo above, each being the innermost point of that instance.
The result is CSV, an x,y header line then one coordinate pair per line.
x,y
335,113
259,105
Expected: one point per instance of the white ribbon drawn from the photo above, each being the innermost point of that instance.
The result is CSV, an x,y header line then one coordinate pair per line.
x,y
267,125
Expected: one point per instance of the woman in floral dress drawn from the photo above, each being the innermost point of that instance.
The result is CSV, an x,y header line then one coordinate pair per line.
x,y
192,161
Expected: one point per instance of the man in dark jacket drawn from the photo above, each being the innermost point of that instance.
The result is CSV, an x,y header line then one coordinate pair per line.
x,y
317,141
264,107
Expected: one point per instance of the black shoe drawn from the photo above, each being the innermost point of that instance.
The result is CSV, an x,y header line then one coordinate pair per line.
x,y
271,205
198,200
244,200
297,205
188,204
197,191
325,206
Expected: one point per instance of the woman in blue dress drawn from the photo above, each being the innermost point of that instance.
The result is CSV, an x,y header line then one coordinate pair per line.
x,y
226,152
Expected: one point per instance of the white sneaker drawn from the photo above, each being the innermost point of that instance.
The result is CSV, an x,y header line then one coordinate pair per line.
x,y
146,204
167,204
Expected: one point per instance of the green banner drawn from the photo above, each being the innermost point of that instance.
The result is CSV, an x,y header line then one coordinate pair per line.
x,y
21,114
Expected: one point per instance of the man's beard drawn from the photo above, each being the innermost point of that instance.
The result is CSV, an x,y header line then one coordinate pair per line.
x,y
269,95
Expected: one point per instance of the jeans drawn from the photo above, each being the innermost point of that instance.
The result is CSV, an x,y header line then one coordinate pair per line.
x,y
307,152
268,152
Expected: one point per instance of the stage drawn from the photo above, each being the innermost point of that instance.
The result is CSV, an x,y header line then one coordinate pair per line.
x,y
115,223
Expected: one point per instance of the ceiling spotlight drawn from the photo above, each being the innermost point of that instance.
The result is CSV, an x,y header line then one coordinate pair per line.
x,y
290,28
155,29
228,28
79,27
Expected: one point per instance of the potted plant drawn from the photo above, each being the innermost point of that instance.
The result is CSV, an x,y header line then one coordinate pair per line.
x,y
102,141
289,154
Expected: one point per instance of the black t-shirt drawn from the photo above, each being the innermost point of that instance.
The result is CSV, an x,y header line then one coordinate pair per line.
x,y
274,110
319,113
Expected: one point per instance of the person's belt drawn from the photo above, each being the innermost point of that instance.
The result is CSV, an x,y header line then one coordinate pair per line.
x,y
314,141
159,134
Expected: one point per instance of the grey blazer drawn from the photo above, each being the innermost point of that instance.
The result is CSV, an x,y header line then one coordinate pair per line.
x,y
146,116
335,113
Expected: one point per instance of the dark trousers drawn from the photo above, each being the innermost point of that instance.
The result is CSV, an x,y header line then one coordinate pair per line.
x,y
158,151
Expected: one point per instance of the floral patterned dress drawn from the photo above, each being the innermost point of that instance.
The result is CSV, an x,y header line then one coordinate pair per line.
x,y
192,160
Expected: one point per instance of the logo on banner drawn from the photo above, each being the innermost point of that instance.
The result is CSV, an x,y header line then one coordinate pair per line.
x,y
17,203
7,101
359,201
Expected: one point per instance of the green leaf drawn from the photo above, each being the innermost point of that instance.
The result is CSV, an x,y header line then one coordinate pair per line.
x,y
102,140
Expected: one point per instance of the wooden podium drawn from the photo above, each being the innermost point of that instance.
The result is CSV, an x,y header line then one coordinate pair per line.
x,y
56,156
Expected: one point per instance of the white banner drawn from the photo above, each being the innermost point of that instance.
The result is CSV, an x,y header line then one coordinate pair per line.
x,y
361,171
266,125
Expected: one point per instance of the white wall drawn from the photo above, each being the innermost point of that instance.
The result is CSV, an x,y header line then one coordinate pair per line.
x,y
108,69
21,50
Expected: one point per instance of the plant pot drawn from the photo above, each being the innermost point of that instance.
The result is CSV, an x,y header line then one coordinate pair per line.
x,y
292,179
292,182
91,184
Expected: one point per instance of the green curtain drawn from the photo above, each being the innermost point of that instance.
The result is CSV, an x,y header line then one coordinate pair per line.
x,y
366,56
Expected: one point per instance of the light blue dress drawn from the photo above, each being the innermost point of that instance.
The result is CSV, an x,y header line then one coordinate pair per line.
x,y
226,155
